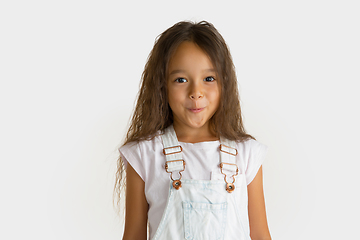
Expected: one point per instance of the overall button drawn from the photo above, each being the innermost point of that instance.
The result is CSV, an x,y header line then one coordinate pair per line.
x,y
230,187
176,184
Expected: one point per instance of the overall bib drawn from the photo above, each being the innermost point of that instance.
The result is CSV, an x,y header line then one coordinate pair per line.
x,y
204,209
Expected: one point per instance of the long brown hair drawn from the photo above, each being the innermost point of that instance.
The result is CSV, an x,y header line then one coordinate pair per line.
x,y
152,112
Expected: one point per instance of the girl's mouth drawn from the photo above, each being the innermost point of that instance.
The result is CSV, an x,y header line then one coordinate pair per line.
x,y
196,110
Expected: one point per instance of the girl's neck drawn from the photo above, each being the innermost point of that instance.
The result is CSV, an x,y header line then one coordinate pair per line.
x,y
194,135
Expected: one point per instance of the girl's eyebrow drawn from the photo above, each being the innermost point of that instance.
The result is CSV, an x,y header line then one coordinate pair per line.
x,y
182,71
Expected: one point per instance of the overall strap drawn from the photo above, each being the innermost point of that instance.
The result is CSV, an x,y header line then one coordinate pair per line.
x,y
228,165
176,164
173,152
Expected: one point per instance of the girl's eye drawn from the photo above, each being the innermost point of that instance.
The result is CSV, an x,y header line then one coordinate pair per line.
x,y
180,80
209,79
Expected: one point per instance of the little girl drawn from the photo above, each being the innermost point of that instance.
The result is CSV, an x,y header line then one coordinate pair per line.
x,y
192,172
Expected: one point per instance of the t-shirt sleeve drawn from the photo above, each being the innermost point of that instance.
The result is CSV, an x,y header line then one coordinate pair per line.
x,y
131,154
257,153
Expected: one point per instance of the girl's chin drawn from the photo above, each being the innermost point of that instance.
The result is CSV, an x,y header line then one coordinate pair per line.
x,y
197,125
194,121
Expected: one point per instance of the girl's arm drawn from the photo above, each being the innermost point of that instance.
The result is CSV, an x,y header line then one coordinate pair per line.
x,y
136,207
259,229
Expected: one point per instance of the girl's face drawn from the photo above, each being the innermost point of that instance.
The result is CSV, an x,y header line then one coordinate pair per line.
x,y
193,87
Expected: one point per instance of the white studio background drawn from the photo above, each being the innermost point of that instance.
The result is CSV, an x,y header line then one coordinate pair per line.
x,y
70,72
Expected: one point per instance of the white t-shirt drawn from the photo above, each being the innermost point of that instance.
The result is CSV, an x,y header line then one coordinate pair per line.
x,y
202,162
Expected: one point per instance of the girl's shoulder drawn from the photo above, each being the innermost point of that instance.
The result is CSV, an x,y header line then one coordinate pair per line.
x,y
251,145
251,155
142,155
150,143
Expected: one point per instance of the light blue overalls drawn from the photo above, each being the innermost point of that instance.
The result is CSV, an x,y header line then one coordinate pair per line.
x,y
204,209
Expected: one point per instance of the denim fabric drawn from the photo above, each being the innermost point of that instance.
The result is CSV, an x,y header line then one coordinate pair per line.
x,y
200,219
204,210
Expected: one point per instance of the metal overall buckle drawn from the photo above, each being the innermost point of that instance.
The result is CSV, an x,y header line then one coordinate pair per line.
x,y
230,187
176,182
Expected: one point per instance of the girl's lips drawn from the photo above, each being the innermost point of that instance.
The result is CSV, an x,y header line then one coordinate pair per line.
x,y
196,110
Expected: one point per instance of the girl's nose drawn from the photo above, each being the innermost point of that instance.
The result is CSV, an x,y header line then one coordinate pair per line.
x,y
196,92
